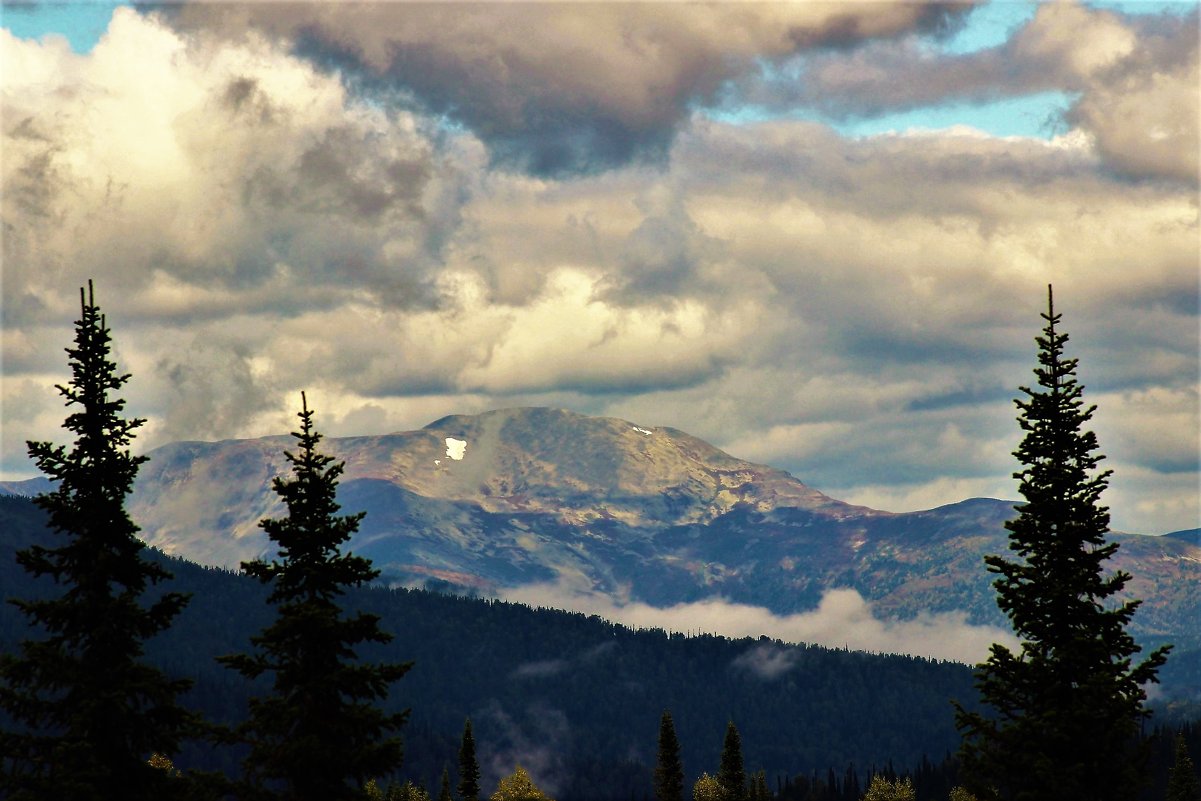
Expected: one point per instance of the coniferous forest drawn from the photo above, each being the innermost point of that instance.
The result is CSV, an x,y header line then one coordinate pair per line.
x,y
130,674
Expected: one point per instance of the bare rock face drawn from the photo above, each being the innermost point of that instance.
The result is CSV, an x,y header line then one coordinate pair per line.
x,y
480,503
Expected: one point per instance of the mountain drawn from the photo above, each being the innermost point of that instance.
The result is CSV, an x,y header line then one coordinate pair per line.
x,y
574,699
516,497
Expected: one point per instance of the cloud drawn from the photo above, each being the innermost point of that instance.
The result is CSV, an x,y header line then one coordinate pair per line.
x,y
558,89
768,662
537,670
211,387
1132,79
204,178
1144,111
842,619
523,743
857,311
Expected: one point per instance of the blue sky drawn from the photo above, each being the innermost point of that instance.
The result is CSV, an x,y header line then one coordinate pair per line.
x,y
629,210
990,25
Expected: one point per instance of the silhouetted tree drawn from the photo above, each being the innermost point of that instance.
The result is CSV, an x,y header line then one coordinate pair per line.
x,y
1182,780
759,791
469,769
444,788
732,776
669,772
91,712
1066,708
320,734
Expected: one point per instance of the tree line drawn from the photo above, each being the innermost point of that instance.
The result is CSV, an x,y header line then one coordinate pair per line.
x,y
89,718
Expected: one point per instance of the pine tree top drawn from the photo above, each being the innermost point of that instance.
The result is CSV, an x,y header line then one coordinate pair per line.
x,y
1073,680
92,708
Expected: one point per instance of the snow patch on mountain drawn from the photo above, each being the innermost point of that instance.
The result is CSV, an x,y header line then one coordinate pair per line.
x,y
456,448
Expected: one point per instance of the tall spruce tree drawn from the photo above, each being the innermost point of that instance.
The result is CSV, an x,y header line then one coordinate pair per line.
x,y
1183,784
469,768
320,735
1066,708
732,775
89,711
669,771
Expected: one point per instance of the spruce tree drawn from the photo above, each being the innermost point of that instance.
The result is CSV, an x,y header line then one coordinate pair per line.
x,y
1065,710
444,788
732,776
669,772
90,712
320,734
469,769
1182,780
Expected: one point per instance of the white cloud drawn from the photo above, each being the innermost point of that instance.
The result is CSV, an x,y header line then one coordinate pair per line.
x,y
842,619
859,312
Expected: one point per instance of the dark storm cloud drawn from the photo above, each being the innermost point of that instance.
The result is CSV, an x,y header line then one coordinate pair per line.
x,y
561,89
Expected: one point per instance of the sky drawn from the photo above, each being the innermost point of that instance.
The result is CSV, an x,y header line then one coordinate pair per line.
x,y
817,235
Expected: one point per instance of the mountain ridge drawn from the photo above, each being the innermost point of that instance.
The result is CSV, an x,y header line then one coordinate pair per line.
x,y
513,497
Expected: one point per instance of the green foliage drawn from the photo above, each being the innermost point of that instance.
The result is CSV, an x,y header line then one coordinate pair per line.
x,y
1067,707
961,794
518,787
881,789
89,709
669,771
469,769
1182,781
320,733
732,776
708,788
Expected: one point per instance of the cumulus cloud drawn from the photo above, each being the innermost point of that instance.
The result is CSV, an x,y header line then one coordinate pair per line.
x,y
857,311
203,178
842,619
1133,80
562,88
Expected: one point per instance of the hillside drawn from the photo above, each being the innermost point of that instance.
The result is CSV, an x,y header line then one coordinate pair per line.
x,y
575,699
515,497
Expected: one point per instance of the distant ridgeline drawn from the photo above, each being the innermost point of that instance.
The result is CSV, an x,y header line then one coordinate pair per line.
x,y
574,699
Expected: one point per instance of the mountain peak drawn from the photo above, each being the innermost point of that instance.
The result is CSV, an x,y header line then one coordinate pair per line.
x,y
525,458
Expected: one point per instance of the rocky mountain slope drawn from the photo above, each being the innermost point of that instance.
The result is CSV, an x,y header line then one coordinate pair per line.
x,y
518,496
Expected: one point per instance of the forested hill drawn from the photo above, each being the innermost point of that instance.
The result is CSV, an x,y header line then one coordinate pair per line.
x,y
574,699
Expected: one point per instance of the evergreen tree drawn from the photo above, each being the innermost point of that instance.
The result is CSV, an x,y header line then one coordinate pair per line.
x,y
759,791
444,789
669,772
1067,707
320,734
1182,780
708,788
469,769
732,776
881,789
518,787
90,711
